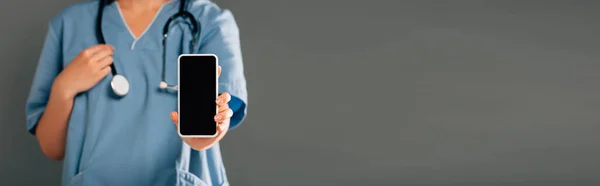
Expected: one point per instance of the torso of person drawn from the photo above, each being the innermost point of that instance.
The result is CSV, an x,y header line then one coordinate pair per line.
x,y
132,140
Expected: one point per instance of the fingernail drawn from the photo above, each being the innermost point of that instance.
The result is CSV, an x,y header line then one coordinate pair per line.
x,y
218,117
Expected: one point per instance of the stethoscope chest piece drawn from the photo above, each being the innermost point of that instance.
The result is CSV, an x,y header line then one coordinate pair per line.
x,y
120,85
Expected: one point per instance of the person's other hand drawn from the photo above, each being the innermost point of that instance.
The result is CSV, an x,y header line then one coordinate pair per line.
x,y
222,119
85,70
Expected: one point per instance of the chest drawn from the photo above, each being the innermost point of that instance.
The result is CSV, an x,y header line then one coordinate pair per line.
x,y
143,60
145,55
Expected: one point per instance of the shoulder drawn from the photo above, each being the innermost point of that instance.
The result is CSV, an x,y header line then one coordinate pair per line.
x,y
82,10
211,16
205,8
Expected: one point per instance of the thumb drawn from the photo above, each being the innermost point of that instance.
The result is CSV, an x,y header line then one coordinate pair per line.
x,y
174,117
219,71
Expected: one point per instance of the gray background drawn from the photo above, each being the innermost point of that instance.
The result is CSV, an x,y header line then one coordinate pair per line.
x,y
351,92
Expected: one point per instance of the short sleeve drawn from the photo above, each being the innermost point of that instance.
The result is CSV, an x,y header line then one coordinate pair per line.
x,y
48,67
221,37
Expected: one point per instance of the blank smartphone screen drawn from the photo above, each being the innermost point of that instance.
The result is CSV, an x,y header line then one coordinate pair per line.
x,y
197,95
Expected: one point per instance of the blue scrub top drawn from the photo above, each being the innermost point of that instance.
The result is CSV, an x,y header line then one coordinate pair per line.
x,y
132,141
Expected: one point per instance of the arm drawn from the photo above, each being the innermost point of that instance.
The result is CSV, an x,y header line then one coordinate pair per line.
x,y
52,127
48,110
237,106
222,39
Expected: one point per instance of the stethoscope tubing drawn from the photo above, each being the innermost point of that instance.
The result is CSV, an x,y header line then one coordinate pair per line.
x,y
119,83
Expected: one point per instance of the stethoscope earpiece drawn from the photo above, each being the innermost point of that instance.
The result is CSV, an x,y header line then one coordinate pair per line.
x,y
164,85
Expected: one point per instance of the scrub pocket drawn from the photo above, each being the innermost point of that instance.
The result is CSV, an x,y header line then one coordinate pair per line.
x,y
185,178
76,180
81,180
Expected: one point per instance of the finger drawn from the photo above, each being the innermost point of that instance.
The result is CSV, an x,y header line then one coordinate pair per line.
x,y
223,127
174,117
97,48
224,98
98,56
106,61
222,107
219,71
225,115
104,72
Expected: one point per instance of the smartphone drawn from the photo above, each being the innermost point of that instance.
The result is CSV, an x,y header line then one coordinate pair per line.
x,y
197,95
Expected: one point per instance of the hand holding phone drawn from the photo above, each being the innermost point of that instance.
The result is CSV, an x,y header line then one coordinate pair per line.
x,y
203,116
225,114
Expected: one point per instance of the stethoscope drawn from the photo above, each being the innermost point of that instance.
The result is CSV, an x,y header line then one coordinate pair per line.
x,y
120,84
